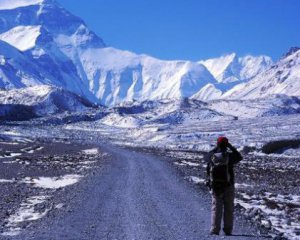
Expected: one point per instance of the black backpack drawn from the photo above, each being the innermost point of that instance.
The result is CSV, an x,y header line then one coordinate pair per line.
x,y
219,170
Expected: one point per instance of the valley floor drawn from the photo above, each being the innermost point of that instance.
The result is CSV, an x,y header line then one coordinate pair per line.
x,y
56,189
54,175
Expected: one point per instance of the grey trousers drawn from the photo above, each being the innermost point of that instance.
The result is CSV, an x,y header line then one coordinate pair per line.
x,y
222,202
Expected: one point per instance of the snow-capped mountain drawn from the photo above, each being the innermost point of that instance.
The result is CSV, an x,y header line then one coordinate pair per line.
x,y
40,100
69,55
231,68
282,78
31,26
229,71
17,70
41,43
117,76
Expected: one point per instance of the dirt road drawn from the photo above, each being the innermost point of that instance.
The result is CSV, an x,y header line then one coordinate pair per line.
x,y
133,196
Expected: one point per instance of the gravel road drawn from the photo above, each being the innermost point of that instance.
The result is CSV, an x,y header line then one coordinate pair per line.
x,y
133,195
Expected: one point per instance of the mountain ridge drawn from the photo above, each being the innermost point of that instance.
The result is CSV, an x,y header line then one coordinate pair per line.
x,y
67,54
231,68
282,78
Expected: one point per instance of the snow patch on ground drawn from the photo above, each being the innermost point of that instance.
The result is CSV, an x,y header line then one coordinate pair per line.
x,y
12,138
271,211
27,212
195,180
10,155
31,150
9,143
290,153
7,181
242,185
186,163
157,138
93,151
295,152
120,121
54,182
12,133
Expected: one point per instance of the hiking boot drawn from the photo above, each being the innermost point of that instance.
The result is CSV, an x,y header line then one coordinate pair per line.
x,y
214,233
228,234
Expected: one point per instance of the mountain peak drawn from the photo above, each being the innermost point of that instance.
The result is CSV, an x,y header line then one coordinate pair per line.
x,y
291,51
230,56
230,68
218,65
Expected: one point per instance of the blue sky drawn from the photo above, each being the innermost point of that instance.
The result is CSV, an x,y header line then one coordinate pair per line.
x,y
193,29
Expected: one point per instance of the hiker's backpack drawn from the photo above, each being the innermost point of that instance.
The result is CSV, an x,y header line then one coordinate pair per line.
x,y
219,170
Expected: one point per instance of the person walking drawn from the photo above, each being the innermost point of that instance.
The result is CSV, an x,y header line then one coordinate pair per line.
x,y
220,180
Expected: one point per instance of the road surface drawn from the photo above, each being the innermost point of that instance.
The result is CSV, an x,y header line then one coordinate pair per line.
x,y
133,196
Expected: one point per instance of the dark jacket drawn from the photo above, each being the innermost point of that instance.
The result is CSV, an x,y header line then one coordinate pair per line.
x,y
234,158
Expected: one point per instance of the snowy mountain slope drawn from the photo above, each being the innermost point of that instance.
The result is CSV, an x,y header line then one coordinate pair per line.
x,y
44,65
22,37
16,70
207,93
115,76
40,101
282,78
123,76
253,66
51,19
218,66
275,105
20,69
73,57
11,4
231,68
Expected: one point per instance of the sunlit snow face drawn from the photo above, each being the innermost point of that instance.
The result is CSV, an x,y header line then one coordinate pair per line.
x,y
11,4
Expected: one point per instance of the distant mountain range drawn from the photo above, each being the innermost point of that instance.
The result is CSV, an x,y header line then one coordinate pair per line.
x,y
41,43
